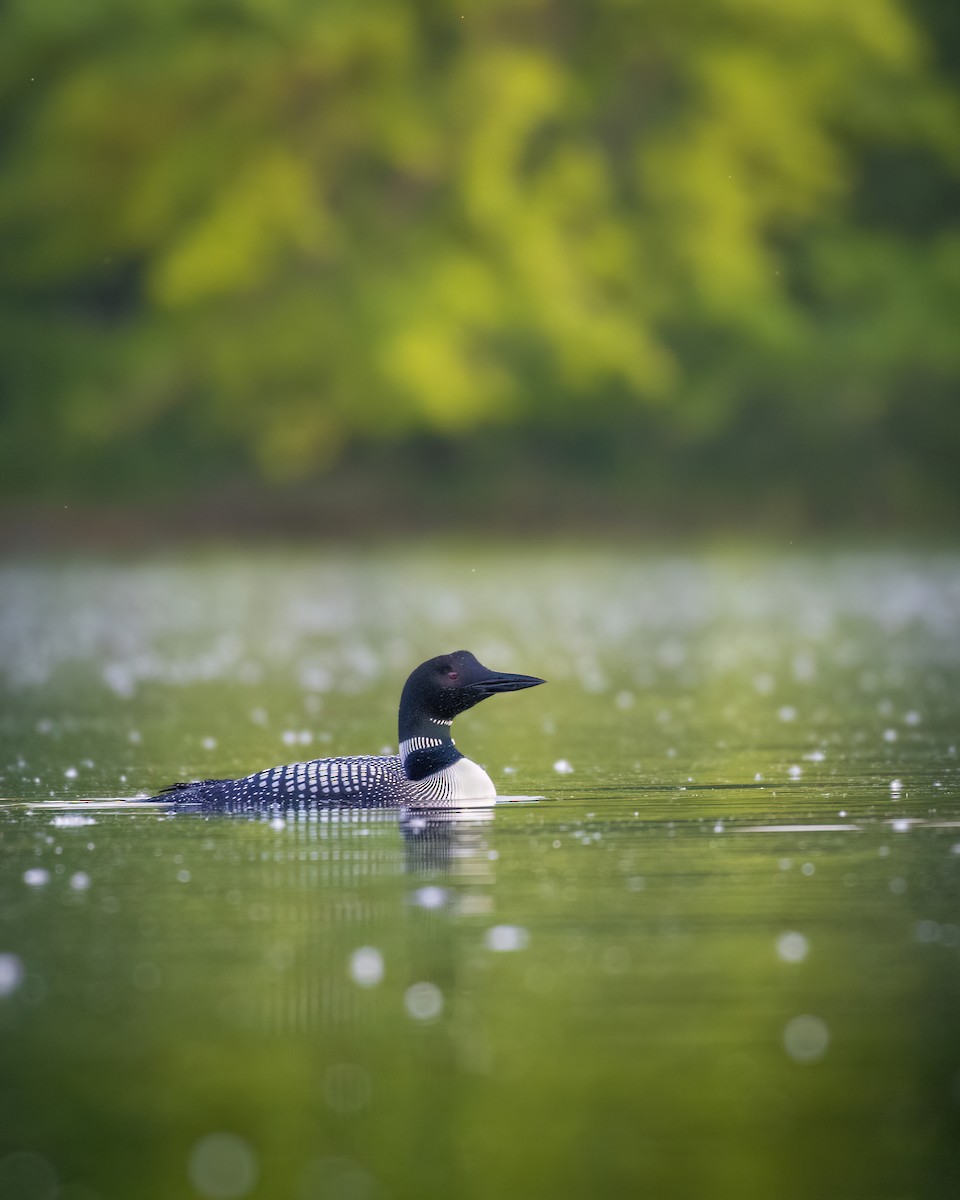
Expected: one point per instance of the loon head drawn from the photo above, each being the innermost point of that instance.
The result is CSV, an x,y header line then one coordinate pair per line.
x,y
443,687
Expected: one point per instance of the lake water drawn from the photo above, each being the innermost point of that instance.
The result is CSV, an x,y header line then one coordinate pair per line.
x,y
720,958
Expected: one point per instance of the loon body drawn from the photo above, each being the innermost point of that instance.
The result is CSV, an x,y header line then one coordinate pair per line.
x,y
429,770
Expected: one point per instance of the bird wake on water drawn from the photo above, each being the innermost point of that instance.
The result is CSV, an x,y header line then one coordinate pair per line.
x,y
429,770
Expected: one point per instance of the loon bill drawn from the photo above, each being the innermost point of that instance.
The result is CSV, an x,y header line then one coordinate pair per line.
x,y
429,770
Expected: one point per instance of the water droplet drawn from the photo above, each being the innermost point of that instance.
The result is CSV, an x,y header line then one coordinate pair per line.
x,y
366,966
222,1165
11,973
806,1038
423,1001
507,937
792,947
337,1179
804,667
430,897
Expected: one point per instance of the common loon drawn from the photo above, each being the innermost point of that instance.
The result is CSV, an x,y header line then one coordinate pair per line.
x,y
429,770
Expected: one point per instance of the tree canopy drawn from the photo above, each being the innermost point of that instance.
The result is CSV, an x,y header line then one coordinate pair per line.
x,y
259,232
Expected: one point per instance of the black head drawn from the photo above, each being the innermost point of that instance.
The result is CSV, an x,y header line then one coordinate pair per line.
x,y
443,687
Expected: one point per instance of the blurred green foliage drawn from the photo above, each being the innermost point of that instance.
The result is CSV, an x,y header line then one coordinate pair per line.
x,y
251,235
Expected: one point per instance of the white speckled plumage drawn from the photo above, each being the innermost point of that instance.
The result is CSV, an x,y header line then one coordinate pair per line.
x,y
428,771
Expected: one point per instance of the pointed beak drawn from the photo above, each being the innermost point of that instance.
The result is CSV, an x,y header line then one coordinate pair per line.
x,y
492,684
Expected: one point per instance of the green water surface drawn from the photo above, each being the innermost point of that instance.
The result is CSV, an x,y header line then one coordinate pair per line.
x,y
720,958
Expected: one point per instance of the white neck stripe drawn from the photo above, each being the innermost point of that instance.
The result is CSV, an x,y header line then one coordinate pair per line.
x,y
409,745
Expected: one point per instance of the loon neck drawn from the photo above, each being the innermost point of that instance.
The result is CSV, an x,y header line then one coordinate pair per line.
x,y
426,746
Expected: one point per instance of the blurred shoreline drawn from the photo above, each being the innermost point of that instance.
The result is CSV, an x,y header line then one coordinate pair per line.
x,y
329,514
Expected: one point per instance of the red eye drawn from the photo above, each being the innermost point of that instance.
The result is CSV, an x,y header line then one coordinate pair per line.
x,y
452,675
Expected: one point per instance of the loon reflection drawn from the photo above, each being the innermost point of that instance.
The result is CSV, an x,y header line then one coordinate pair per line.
x,y
346,883
449,840
428,771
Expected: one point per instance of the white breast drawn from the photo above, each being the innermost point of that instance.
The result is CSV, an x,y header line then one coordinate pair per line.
x,y
462,783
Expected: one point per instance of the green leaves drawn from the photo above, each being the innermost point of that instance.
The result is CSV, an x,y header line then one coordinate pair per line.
x,y
316,225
